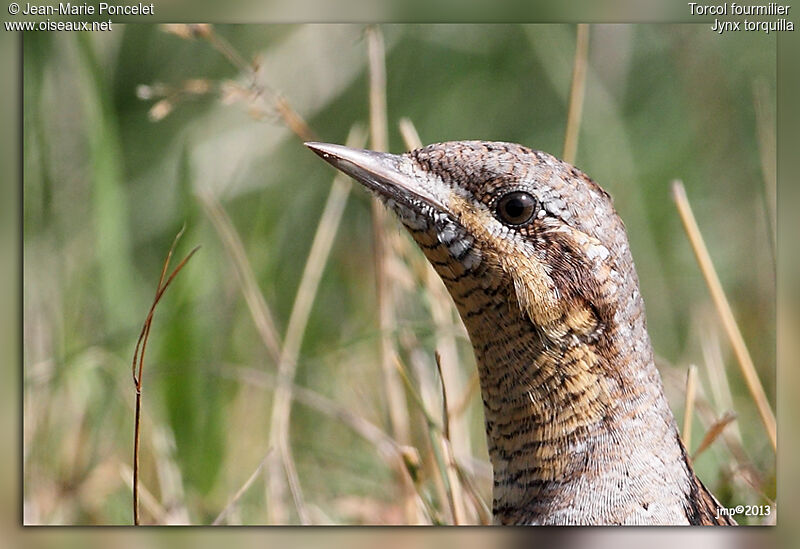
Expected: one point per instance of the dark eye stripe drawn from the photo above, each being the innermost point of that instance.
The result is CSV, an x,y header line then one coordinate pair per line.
x,y
516,208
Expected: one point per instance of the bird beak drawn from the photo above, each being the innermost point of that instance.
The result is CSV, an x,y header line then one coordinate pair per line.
x,y
389,175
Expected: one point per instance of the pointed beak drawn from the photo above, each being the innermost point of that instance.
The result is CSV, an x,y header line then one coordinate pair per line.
x,y
389,175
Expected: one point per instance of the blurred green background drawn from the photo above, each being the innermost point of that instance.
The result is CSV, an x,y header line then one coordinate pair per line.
x,y
107,187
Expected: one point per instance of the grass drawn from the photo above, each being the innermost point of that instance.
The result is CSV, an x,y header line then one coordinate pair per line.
x,y
137,366
726,315
310,350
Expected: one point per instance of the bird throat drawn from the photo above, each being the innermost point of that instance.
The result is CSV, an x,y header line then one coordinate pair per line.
x,y
574,408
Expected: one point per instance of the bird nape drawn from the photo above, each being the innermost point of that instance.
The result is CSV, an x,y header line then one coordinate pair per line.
x,y
537,262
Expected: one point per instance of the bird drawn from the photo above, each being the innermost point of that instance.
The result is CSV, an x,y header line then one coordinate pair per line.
x,y
537,262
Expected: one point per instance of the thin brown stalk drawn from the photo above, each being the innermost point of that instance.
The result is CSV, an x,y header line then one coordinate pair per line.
x,y
259,311
688,410
724,310
137,365
150,502
713,432
240,492
295,332
576,93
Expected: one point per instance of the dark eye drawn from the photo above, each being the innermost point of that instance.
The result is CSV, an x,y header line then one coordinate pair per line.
x,y
516,208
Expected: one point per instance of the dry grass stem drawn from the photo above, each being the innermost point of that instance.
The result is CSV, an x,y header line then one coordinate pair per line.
x,y
261,99
298,320
239,493
724,311
451,472
714,432
378,124
688,410
434,431
287,355
576,93
293,120
259,311
379,142
284,356
743,472
376,57
416,398
454,493
445,410
409,133
482,509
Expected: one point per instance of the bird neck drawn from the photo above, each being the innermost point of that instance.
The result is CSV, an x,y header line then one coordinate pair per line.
x,y
572,421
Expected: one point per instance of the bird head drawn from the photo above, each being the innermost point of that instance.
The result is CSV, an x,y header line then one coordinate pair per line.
x,y
499,214
537,262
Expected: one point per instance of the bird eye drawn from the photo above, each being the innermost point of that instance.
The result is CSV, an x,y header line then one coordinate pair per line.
x,y
516,208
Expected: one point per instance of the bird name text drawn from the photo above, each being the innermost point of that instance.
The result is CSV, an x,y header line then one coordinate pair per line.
x,y
722,25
